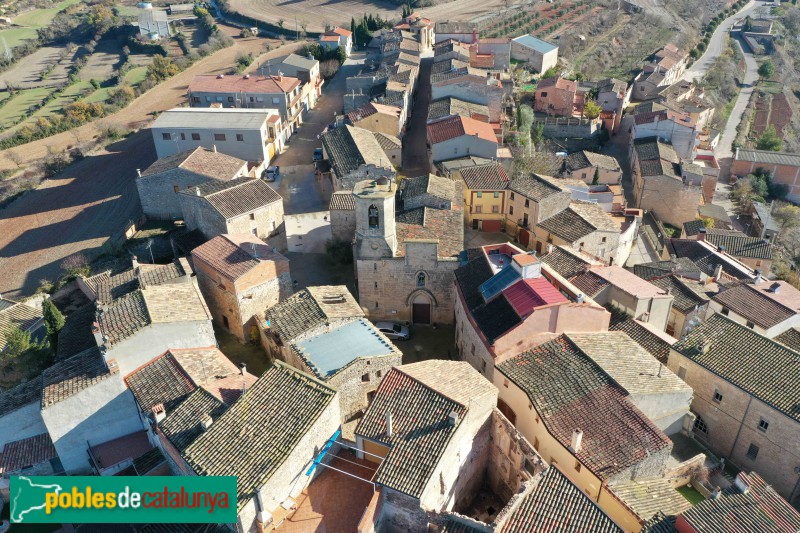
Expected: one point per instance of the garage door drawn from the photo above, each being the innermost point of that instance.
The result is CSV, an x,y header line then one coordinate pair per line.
x,y
421,313
524,237
490,225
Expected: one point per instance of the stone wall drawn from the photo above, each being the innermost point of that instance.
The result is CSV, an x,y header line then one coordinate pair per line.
x,y
343,224
581,129
157,192
364,172
266,222
473,89
358,379
667,197
198,214
387,288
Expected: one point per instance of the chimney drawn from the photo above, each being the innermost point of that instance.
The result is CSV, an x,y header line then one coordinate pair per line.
x,y
452,418
716,494
701,235
159,413
206,422
243,369
197,191
113,367
139,172
577,439
134,262
718,271
98,335
214,148
580,298
388,423
759,278
741,484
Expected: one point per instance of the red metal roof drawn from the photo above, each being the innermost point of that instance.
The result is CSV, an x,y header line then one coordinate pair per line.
x,y
528,294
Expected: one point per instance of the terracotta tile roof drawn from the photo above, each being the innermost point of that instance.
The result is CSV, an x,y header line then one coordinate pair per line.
x,y
19,316
233,256
31,451
659,523
790,338
584,159
629,282
236,197
342,201
341,31
107,286
680,266
182,424
657,346
682,119
76,335
442,188
123,317
566,262
371,108
589,283
329,38
706,258
685,298
230,388
536,187
71,376
657,158
558,82
649,497
210,83
755,305
199,160
256,435
568,225
771,377
349,147
175,303
740,245
458,126
567,389
447,65
157,274
20,396
308,308
449,106
441,225
557,504
489,177
759,509
161,381
420,427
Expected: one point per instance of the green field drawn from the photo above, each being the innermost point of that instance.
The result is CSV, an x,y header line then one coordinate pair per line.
x,y
31,21
57,104
135,76
20,103
97,97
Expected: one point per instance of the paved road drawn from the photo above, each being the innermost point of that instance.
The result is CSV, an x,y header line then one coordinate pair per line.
x,y
724,148
717,43
415,147
95,198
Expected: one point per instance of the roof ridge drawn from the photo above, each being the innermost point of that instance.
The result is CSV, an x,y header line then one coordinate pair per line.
x,y
440,393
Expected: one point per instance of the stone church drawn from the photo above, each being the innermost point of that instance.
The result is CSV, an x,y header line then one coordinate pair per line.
x,y
406,247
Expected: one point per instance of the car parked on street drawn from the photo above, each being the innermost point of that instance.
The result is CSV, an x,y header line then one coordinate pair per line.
x,y
271,174
394,331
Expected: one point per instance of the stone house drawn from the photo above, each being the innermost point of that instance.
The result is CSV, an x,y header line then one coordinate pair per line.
x,y
745,410
134,328
252,91
438,444
485,192
295,415
615,286
749,503
539,54
248,134
406,248
354,154
665,68
19,315
532,199
767,307
159,184
586,227
556,96
392,146
613,96
459,30
33,456
240,276
421,28
678,129
456,137
555,392
337,38
379,118
450,49
490,53
471,87
784,167
584,165
507,300
342,210
242,205
660,184
451,106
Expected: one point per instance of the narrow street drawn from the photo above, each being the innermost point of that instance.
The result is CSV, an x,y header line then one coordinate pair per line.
x,y
415,140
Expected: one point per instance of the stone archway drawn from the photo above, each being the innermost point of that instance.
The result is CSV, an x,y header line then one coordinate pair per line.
x,y
421,308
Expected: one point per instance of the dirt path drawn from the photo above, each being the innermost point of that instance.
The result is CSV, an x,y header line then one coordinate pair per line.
x,y
168,94
96,197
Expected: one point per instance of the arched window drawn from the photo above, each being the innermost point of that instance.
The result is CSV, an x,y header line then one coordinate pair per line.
x,y
421,279
372,213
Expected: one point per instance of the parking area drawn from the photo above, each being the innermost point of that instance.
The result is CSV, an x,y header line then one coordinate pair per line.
x,y
429,342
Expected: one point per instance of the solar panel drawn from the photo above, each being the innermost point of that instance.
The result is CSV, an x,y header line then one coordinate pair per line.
x,y
495,285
